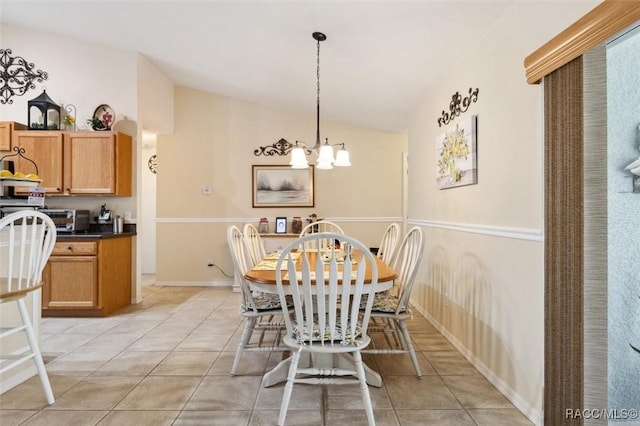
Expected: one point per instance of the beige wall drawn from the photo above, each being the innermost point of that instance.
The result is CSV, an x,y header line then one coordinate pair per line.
x,y
213,146
481,279
155,98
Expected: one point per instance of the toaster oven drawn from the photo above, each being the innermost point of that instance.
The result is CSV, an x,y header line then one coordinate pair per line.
x,y
68,220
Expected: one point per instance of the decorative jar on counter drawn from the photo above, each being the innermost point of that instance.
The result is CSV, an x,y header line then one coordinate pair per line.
x,y
296,225
263,226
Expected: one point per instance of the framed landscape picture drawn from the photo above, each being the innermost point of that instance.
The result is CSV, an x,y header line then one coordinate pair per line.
x,y
456,155
282,186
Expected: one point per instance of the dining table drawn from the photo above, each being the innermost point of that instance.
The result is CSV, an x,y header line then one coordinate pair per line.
x,y
262,277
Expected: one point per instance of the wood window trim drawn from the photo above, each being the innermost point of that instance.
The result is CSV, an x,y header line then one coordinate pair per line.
x,y
602,22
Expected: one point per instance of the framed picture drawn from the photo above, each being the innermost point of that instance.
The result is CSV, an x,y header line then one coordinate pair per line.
x,y
281,225
282,186
456,155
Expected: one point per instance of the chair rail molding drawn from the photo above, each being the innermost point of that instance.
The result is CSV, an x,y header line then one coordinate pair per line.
x,y
371,219
494,231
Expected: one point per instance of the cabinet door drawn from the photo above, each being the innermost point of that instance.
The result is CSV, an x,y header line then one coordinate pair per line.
x,y
45,150
90,163
6,128
71,282
5,136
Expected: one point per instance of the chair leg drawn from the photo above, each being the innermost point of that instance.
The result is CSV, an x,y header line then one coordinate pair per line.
x,y
288,388
366,398
35,349
390,331
244,340
412,352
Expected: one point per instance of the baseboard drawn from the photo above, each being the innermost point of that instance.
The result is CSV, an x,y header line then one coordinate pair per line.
x,y
18,379
214,283
520,403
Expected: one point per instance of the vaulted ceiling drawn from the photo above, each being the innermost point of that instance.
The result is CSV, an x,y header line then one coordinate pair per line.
x,y
379,60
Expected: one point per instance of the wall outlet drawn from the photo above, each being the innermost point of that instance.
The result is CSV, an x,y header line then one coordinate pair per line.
x,y
127,215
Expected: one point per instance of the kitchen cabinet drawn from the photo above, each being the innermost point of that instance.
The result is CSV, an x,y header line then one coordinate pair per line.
x,y
44,148
87,278
97,163
78,163
6,131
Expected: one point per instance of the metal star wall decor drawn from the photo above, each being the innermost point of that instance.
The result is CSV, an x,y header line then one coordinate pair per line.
x,y
17,76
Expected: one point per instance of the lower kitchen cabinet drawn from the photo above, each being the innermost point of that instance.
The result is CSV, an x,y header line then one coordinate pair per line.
x,y
87,278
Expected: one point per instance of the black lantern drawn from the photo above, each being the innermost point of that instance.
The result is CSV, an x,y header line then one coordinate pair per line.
x,y
46,113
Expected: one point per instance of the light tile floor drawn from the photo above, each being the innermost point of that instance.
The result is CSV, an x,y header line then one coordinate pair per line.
x,y
166,361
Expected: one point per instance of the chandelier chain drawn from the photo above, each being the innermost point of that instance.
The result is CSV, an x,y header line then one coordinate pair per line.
x,y
318,74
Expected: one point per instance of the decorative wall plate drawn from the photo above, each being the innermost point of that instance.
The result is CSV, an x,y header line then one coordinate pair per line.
x,y
153,164
106,115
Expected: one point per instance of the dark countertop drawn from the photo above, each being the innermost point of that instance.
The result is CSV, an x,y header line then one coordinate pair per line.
x,y
98,232
64,236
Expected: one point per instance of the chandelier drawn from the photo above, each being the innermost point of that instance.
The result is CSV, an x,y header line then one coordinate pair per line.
x,y
300,150
324,150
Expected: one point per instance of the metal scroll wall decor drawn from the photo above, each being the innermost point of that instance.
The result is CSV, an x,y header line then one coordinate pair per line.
x,y
282,147
458,105
17,76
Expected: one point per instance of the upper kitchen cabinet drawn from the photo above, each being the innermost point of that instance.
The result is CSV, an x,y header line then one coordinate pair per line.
x,y
45,149
6,131
97,163
78,163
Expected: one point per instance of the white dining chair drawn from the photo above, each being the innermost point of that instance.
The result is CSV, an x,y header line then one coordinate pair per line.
x,y
321,226
27,238
255,245
255,305
326,320
388,243
390,312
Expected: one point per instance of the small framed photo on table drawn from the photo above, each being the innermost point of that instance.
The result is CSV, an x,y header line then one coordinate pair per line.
x,y
281,225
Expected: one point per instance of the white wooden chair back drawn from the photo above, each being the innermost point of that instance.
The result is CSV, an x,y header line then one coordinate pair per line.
x,y
327,314
240,257
255,245
387,247
406,265
321,226
27,238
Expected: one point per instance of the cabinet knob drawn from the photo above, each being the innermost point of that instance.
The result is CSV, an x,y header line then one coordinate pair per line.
x,y
70,248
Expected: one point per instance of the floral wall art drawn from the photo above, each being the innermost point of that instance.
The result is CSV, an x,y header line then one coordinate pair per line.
x,y
456,155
